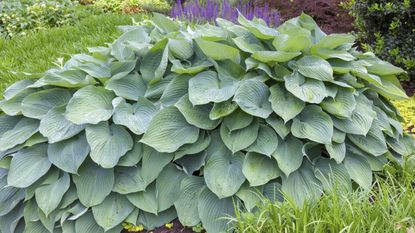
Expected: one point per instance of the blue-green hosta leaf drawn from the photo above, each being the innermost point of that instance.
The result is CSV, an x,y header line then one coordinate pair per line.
x,y
87,223
208,87
169,130
136,117
193,162
337,151
248,43
252,97
313,124
8,122
120,50
222,109
164,23
291,43
49,196
129,180
11,223
35,227
332,175
16,88
160,195
390,88
65,78
152,221
176,89
360,121
307,89
154,63
108,143
274,56
258,29
342,105
197,115
120,69
186,204
90,105
155,90
13,106
218,51
251,63
237,120
279,126
201,144
289,154
239,139
213,211
259,169
112,211
302,186
181,48
404,145
36,105
266,142
338,136
251,196
285,104
358,169
132,157
10,197
314,67
153,163
56,127
373,143
68,155
28,166
383,68
93,184
335,40
306,22
130,87
145,200
195,68
168,186
332,53
223,174
23,130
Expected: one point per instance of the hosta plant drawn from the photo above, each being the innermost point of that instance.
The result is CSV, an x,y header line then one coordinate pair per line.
x,y
172,121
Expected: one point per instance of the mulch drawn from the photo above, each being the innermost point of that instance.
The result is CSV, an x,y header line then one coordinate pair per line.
x,y
409,87
177,228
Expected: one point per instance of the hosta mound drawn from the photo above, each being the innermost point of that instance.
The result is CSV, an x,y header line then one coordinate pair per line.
x,y
170,121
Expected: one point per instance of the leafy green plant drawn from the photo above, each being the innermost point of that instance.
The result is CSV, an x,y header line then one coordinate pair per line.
x,y
19,17
387,28
129,6
177,121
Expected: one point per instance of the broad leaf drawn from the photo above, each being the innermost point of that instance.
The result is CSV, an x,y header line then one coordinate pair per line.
x,y
108,143
223,174
169,130
252,97
90,105
259,169
285,104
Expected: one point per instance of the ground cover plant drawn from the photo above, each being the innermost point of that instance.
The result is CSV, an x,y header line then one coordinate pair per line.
x,y
174,121
18,17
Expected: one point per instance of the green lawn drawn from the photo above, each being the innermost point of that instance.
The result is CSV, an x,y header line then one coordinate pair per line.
x,y
36,52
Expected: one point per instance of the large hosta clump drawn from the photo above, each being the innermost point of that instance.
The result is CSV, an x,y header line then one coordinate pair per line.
x,y
175,121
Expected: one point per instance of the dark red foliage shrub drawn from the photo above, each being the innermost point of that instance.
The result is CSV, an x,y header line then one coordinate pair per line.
x,y
327,13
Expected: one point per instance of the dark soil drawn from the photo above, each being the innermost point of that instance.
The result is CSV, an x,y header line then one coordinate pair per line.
x,y
409,87
177,228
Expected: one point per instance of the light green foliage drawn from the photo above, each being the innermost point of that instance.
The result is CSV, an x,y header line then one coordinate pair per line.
x,y
133,140
19,17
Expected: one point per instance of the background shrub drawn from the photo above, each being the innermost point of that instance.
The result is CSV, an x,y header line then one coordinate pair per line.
x,y
18,17
133,6
387,27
